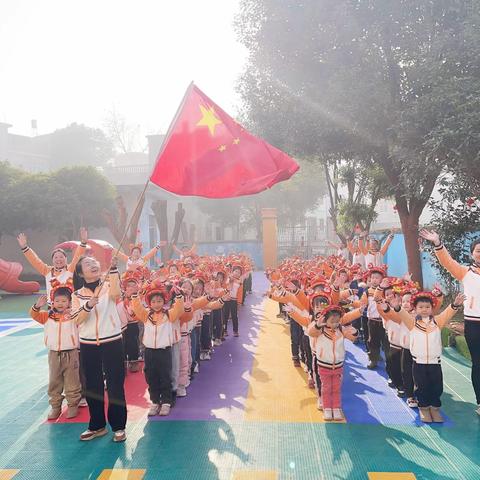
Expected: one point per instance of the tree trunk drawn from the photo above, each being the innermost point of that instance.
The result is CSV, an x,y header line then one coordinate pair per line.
x,y
179,215
409,223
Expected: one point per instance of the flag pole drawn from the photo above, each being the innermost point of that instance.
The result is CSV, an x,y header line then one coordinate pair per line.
x,y
142,195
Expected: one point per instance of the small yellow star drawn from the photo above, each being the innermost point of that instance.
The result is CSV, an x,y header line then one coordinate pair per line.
x,y
209,119
236,141
222,148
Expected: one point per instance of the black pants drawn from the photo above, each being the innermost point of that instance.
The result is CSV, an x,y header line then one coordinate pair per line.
x,y
99,359
407,372
217,324
248,284
365,332
428,384
394,363
376,340
307,353
206,333
158,369
244,291
296,334
230,310
131,342
472,336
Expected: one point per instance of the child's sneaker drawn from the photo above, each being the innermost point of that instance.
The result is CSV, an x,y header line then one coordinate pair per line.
x,y
412,403
202,355
235,334
296,362
436,415
390,383
425,415
188,383
119,436
165,409
327,414
181,391
196,369
400,392
337,414
311,383
83,402
154,408
477,411
91,434
54,413
207,356
320,404
72,412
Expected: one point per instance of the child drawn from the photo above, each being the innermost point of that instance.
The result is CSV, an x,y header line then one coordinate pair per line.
x,y
374,254
60,270
426,349
330,355
61,339
130,284
377,338
135,260
157,338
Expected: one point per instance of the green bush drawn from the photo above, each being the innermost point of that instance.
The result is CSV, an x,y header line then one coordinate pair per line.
x,y
462,347
446,332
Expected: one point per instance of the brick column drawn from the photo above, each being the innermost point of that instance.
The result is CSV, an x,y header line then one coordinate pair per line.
x,y
269,221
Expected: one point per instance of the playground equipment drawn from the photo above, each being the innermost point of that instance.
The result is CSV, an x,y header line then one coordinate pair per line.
x,y
99,249
10,282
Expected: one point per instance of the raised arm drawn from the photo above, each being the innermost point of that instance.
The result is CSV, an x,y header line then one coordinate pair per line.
x,y
386,244
177,309
452,266
31,256
151,253
444,317
37,315
80,250
115,290
138,309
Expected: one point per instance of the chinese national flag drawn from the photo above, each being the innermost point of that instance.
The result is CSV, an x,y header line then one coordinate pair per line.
x,y
208,154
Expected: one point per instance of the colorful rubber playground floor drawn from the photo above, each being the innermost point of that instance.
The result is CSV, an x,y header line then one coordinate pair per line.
x,y
248,416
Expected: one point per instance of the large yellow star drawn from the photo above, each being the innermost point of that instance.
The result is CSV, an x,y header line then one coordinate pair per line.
x,y
209,119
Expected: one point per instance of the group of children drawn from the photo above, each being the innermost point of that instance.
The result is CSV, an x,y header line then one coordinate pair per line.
x,y
100,325
328,300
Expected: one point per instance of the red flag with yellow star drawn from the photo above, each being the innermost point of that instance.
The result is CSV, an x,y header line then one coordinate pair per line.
x,y
208,154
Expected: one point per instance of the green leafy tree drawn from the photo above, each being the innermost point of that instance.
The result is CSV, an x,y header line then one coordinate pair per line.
x,y
360,80
78,144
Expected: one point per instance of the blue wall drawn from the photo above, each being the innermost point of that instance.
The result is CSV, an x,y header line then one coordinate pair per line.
x,y
396,259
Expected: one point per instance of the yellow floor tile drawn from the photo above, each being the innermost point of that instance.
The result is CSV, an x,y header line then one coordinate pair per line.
x,y
8,473
255,475
390,476
278,392
122,474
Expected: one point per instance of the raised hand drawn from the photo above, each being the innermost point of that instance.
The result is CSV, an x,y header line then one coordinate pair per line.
x,y
385,283
395,302
288,307
41,301
114,262
22,240
430,236
459,299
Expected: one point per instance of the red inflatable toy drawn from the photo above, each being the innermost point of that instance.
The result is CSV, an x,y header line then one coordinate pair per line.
x,y
9,281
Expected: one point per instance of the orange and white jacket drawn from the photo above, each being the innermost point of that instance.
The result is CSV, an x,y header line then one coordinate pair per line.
x,y
49,272
60,334
158,331
330,346
100,324
375,258
470,279
141,262
425,336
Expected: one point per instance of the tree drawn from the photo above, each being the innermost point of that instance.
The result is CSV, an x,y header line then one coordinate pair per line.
x,y
77,196
358,81
22,199
292,199
61,201
124,137
78,144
